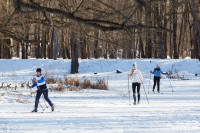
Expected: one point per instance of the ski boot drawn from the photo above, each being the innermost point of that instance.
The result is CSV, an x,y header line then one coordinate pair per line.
x,y
35,110
52,108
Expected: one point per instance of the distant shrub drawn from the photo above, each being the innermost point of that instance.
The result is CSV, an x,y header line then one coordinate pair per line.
x,y
74,84
77,85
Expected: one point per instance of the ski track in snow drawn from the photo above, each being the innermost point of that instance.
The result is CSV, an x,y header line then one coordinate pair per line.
x,y
102,111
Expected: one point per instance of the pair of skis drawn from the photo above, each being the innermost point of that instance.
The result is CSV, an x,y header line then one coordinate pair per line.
x,y
43,112
158,93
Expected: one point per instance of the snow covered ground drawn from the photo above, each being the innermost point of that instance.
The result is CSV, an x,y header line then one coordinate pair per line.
x,y
102,111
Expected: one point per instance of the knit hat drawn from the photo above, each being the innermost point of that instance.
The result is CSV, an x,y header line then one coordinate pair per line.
x,y
135,64
39,70
158,66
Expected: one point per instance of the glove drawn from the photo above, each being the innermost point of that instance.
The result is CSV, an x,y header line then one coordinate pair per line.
x,y
151,72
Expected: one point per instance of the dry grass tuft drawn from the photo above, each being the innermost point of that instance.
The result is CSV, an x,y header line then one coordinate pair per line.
x,y
85,84
100,85
71,81
60,85
74,88
50,80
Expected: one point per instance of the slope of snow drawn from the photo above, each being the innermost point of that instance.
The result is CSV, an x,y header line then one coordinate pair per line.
x,y
102,111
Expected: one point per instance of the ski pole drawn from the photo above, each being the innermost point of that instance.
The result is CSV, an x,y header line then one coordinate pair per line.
x,y
145,93
129,91
43,97
149,82
140,81
171,85
44,101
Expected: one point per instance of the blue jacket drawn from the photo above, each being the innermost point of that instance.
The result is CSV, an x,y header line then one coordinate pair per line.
x,y
157,72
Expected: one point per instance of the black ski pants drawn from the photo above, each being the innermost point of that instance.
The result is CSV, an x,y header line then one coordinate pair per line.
x,y
134,85
38,95
156,81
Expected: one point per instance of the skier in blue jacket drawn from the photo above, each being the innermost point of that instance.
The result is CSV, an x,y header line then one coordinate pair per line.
x,y
41,89
157,75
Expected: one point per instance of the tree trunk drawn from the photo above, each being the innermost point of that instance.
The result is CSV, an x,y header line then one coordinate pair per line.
x,y
196,30
96,34
83,46
74,54
45,45
141,48
51,45
0,50
38,42
63,46
88,49
148,35
23,49
18,50
55,44
174,30
130,47
67,46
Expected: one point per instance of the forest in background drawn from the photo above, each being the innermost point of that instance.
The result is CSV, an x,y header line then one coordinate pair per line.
x,y
72,29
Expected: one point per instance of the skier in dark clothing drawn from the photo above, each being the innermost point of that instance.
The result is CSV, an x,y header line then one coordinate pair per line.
x,y
157,75
41,89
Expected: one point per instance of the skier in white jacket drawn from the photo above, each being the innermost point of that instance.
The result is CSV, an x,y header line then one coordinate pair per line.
x,y
137,79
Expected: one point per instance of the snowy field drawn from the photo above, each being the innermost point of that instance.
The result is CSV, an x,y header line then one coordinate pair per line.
x,y
94,111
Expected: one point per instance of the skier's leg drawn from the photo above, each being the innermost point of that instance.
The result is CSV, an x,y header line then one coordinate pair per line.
x,y
134,96
154,85
37,98
138,92
45,93
158,84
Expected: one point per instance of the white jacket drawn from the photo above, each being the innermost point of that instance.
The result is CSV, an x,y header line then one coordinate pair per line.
x,y
40,81
137,76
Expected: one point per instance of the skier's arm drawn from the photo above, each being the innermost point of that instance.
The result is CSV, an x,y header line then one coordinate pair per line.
x,y
163,72
153,71
34,84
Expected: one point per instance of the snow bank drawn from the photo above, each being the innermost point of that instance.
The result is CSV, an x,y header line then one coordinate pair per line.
x,y
192,66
